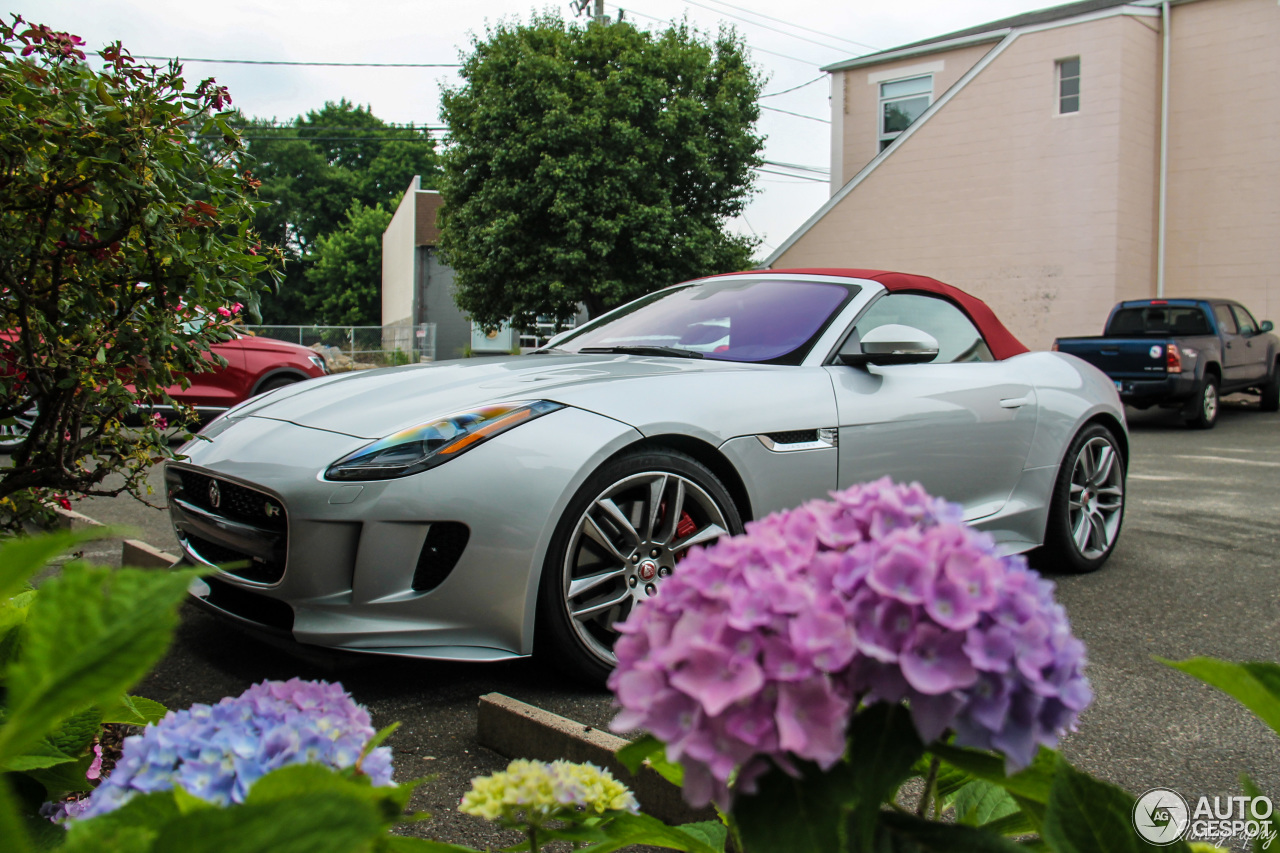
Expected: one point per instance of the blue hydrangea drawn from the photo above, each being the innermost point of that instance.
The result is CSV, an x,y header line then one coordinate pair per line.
x,y
218,751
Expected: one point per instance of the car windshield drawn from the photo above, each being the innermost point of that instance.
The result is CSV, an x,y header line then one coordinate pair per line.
x,y
735,318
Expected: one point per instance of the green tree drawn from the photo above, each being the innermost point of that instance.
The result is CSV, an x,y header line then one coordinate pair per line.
x,y
116,228
594,164
346,274
313,170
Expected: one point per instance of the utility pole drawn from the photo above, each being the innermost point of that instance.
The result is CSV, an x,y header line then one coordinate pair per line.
x,y
580,6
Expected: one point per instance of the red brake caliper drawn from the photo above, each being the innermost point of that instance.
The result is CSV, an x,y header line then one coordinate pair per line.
x,y
685,527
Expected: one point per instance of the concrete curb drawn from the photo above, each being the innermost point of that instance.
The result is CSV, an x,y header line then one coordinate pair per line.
x,y
518,730
133,552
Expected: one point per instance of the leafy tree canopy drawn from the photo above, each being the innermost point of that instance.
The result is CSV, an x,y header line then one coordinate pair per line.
x,y
594,164
316,170
116,227
346,275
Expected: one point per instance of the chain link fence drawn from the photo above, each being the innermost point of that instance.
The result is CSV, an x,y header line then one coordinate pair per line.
x,y
359,347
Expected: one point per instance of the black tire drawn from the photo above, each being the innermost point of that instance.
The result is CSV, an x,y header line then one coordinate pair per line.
x,y
273,384
625,554
1204,412
14,435
1269,400
1087,504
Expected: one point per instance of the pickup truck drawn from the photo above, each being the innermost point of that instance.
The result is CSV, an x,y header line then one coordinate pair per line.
x,y
1184,353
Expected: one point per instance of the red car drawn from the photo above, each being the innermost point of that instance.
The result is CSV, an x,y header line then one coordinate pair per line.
x,y
254,365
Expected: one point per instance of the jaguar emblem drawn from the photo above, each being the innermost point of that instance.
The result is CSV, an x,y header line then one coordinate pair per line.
x,y
215,495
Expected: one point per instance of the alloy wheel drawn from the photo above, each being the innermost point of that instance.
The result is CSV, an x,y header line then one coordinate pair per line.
x,y
626,543
1096,501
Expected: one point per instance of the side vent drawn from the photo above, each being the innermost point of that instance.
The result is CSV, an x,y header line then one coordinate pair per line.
x,y
446,540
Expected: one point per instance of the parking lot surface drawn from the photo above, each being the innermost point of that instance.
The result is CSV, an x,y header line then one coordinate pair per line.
x,y
1195,573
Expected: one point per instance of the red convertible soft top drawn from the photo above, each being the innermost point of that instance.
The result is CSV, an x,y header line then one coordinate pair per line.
x,y
999,339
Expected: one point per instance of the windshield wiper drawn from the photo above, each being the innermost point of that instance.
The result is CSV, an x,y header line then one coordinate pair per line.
x,y
646,350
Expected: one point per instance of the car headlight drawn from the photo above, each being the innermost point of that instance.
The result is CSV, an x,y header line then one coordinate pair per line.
x,y
436,442
319,362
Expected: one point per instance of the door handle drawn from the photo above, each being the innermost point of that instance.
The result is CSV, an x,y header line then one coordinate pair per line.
x,y
1014,402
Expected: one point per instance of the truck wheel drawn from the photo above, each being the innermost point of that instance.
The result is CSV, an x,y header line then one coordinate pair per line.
x,y
1205,413
1270,399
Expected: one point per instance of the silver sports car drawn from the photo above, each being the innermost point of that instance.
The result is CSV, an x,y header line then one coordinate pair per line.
x,y
477,509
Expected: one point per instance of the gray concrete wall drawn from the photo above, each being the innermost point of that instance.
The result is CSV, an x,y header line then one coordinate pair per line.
x,y
436,305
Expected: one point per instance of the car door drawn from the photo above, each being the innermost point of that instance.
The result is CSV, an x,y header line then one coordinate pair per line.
x,y
1235,347
961,425
1254,361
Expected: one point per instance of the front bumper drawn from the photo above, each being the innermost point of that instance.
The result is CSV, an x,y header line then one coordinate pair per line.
x,y
345,569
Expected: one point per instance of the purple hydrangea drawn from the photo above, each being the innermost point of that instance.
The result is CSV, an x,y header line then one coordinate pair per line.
x,y
759,649
218,751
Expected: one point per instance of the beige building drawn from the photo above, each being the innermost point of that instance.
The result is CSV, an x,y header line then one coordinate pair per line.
x,y
1030,162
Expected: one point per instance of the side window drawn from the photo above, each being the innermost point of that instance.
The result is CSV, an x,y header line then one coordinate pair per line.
x,y
958,339
1244,320
1226,323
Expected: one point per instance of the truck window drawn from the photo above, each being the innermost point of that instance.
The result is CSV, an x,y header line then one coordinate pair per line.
x,y
1159,320
1226,322
1244,320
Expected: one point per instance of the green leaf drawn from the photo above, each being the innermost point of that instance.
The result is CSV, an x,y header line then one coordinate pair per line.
x,y
22,556
317,822
1086,815
401,844
42,754
11,824
713,833
834,810
62,779
133,711
90,634
1255,685
900,833
1032,783
625,830
1253,792
649,748
101,357
75,734
980,802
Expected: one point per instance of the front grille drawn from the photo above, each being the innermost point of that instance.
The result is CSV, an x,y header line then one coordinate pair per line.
x,y
235,501
221,522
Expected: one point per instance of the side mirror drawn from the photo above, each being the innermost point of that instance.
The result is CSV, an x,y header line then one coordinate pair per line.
x,y
1266,326
893,344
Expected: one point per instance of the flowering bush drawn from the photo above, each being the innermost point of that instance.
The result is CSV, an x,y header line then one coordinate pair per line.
x,y
758,651
535,792
217,752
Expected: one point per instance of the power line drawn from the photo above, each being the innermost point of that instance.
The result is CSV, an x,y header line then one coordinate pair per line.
x,y
789,175
298,127
817,170
793,88
284,62
314,138
797,26
767,27
753,49
797,115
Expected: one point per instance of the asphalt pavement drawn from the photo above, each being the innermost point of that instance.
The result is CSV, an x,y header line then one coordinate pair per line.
x,y
1195,573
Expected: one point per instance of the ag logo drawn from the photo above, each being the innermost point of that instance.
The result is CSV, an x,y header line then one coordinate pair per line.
x,y
215,495
1161,816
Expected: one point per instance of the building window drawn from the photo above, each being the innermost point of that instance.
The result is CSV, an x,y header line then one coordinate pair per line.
x,y
902,102
1069,85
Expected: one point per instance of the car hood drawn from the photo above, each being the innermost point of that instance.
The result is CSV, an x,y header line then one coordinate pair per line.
x,y
376,403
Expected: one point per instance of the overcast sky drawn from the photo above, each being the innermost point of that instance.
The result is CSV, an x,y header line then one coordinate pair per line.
x,y
817,32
